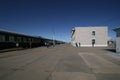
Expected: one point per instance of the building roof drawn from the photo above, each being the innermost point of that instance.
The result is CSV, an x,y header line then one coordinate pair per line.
x,y
116,29
90,26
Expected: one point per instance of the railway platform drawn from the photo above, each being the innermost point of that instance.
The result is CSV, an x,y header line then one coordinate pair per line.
x,y
62,62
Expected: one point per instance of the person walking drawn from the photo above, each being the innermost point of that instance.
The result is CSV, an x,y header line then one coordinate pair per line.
x,y
76,44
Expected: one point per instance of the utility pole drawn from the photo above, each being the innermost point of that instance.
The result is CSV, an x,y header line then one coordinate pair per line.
x,y
53,37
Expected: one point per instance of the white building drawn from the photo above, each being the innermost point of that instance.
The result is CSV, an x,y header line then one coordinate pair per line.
x,y
117,30
90,36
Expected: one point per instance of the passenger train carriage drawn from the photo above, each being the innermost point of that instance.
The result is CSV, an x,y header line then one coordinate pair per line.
x,y
10,39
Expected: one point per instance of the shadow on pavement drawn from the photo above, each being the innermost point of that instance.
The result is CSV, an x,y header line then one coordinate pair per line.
x,y
111,50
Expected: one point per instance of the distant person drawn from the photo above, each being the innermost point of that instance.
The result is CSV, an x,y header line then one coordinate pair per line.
x,y
76,44
17,45
47,45
30,43
79,44
93,43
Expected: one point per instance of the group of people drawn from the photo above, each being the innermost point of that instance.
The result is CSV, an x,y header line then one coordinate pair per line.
x,y
18,45
77,44
47,44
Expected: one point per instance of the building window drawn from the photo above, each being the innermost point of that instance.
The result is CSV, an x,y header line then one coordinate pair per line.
x,y
93,33
118,34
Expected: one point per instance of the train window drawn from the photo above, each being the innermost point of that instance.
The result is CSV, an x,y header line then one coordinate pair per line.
x,y
21,39
30,40
7,38
11,38
18,39
2,38
34,40
27,39
24,39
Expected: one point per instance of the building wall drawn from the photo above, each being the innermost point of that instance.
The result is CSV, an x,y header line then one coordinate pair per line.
x,y
83,35
118,44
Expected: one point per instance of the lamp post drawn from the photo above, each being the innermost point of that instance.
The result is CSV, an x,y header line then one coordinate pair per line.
x,y
53,37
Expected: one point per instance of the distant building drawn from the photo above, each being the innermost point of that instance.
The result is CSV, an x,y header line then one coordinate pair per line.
x,y
89,36
117,30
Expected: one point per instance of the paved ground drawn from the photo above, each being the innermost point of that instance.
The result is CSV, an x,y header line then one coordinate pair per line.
x,y
62,62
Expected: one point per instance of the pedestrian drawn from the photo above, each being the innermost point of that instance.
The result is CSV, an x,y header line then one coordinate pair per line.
x,y
79,44
47,45
17,44
93,43
76,44
30,43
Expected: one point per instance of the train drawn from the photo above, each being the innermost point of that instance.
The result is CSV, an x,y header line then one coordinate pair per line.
x,y
10,39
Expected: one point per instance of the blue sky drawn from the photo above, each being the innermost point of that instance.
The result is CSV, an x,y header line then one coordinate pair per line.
x,y
48,17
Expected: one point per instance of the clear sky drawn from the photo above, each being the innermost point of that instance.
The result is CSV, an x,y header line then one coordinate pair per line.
x,y
58,17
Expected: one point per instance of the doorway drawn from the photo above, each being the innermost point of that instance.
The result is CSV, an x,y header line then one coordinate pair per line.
x,y
93,42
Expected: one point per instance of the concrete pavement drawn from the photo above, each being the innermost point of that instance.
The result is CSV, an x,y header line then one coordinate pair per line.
x,y
62,62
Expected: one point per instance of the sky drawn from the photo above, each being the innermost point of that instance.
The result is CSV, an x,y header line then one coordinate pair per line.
x,y
48,18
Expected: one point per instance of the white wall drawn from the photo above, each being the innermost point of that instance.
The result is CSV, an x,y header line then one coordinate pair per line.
x,y
83,35
118,44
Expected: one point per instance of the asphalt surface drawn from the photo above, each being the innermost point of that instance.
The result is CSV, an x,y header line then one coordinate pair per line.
x,y
62,62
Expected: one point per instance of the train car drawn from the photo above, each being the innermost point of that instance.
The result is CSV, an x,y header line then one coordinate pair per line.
x,y
10,39
52,42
